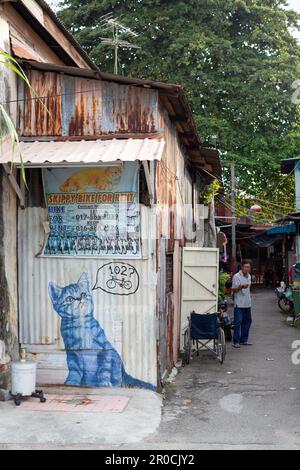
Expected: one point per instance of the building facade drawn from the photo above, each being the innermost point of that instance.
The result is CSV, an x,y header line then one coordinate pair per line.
x,y
91,251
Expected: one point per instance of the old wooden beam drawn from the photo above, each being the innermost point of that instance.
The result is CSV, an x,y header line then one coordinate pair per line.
x,y
148,180
14,184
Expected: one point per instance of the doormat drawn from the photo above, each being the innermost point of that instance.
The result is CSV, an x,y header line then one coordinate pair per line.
x,y
77,404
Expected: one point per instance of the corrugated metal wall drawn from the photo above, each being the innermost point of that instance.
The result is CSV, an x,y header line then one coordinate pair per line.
x,y
74,106
170,190
129,322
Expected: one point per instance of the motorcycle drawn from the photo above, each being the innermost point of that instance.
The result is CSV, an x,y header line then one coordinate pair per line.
x,y
226,320
285,299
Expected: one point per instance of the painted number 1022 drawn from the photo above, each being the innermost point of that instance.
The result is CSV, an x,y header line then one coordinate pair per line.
x,y
121,270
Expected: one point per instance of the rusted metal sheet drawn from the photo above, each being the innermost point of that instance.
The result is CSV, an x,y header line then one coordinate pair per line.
x,y
171,97
170,184
129,321
81,106
162,310
128,107
78,106
176,299
170,330
39,112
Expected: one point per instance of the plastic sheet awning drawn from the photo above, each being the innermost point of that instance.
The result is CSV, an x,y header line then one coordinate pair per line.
x,y
282,229
263,241
39,154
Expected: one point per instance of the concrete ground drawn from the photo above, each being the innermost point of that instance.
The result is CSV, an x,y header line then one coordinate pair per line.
x,y
28,429
251,402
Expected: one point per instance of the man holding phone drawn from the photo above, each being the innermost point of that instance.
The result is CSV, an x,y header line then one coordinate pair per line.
x,y
241,285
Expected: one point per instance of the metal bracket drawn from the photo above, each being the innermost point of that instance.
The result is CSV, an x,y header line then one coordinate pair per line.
x,y
14,184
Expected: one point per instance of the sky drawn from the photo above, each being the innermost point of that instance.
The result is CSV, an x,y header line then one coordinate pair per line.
x,y
295,4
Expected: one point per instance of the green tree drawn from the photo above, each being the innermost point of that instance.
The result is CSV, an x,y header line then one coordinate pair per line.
x,y
237,61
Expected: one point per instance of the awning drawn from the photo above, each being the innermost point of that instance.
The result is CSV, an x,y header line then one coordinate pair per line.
x,y
282,229
85,152
289,165
263,241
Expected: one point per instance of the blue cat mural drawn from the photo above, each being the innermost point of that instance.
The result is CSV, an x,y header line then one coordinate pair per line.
x,y
92,360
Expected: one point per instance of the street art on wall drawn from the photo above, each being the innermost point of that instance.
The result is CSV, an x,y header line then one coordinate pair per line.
x,y
93,211
92,359
117,278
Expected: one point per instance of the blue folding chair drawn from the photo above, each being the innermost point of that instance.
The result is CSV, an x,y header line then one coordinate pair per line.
x,y
204,332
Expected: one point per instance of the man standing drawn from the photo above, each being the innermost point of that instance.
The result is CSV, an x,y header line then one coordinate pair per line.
x,y
241,285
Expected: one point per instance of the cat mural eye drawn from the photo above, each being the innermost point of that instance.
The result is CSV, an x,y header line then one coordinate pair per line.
x,y
70,299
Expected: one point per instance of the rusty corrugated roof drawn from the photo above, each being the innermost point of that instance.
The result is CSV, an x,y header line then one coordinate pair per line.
x,y
173,99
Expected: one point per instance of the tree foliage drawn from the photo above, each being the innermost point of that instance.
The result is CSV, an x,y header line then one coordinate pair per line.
x,y
237,61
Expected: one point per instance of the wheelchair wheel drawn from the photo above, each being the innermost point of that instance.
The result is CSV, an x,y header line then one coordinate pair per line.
x,y
220,346
285,305
187,347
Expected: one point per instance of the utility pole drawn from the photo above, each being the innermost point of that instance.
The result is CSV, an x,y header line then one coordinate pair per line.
x,y
233,204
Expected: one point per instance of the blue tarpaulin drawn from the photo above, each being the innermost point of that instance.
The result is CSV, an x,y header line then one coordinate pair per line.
x,y
264,241
282,229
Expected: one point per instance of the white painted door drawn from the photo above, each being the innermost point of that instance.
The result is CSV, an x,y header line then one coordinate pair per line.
x,y
200,280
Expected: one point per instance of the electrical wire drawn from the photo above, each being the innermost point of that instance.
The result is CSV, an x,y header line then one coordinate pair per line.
x,y
240,207
268,202
40,98
255,199
168,170
273,204
241,213
237,211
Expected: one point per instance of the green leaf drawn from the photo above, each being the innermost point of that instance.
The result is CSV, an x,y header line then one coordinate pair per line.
x,y
13,138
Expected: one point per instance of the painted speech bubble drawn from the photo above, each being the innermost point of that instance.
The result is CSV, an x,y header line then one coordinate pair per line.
x,y
117,278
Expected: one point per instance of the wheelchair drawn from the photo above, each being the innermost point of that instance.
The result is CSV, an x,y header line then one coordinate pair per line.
x,y
205,333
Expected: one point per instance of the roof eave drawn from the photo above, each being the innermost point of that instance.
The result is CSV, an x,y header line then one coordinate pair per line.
x,y
288,165
46,8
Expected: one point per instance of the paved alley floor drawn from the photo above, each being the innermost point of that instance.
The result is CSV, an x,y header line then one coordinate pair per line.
x,y
251,402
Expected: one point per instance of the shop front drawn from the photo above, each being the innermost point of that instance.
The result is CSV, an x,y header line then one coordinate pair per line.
x,y
87,264
113,168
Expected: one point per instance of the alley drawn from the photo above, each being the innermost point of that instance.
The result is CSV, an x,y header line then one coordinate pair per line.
x,y
253,400
145,174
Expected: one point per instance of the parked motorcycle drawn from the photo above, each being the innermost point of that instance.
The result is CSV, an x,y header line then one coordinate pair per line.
x,y
285,299
227,322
